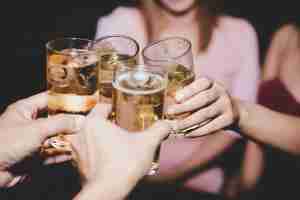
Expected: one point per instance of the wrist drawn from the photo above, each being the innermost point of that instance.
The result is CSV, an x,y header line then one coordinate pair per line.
x,y
111,188
242,113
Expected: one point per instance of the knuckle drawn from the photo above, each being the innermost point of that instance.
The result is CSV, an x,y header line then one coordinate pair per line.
x,y
208,113
220,88
203,82
206,98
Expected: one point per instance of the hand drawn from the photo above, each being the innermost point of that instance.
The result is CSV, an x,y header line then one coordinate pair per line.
x,y
208,100
109,155
21,134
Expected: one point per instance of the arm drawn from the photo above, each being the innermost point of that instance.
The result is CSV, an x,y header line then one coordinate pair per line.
x,y
275,53
111,173
15,146
245,87
109,189
267,126
214,145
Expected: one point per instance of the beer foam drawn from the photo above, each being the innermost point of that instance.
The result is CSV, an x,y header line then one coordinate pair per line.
x,y
72,102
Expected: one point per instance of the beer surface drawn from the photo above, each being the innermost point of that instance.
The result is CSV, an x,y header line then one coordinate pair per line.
x,y
107,65
138,99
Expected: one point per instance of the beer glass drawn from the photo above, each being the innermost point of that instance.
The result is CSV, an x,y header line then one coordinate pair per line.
x,y
113,51
72,76
138,99
175,54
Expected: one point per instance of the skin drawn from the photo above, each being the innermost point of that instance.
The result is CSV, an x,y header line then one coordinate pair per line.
x,y
179,18
282,59
252,119
103,167
21,134
120,167
255,122
177,7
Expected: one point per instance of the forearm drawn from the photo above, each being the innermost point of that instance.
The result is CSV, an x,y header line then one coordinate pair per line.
x,y
252,166
114,187
267,126
210,149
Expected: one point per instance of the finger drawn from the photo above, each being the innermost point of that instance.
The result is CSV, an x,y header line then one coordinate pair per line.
x,y
158,131
215,125
196,102
58,159
28,107
101,110
61,123
201,116
197,86
14,181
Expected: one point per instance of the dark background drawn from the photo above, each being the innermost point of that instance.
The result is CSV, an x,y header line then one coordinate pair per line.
x,y
27,26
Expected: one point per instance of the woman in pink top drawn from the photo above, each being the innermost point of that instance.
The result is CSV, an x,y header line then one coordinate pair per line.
x,y
225,49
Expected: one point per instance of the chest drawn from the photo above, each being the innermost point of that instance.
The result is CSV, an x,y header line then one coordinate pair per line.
x,y
220,62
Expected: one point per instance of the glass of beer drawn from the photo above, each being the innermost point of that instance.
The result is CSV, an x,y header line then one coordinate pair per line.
x,y
72,76
114,51
175,54
138,99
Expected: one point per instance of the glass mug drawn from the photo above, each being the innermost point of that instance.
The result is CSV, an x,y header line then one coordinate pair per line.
x,y
113,51
139,98
175,54
72,76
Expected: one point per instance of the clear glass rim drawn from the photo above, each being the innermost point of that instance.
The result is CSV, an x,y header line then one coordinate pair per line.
x,y
186,51
144,67
51,49
120,36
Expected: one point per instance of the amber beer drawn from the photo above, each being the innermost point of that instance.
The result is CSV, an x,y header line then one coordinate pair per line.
x,y
175,53
72,82
138,100
114,51
72,76
178,77
110,61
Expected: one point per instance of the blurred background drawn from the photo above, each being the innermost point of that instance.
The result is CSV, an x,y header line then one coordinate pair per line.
x,y
26,27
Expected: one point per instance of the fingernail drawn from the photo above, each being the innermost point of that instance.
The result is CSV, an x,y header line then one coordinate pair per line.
x,y
79,122
179,96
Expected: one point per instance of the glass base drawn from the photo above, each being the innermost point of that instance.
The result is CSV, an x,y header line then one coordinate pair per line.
x,y
154,169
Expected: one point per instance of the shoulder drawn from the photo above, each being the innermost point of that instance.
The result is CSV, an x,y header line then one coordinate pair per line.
x,y
122,20
238,33
235,26
287,34
122,15
286,30
121,12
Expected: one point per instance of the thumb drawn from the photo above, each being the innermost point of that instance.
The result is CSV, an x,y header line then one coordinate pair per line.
x,y
159,131
62,123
